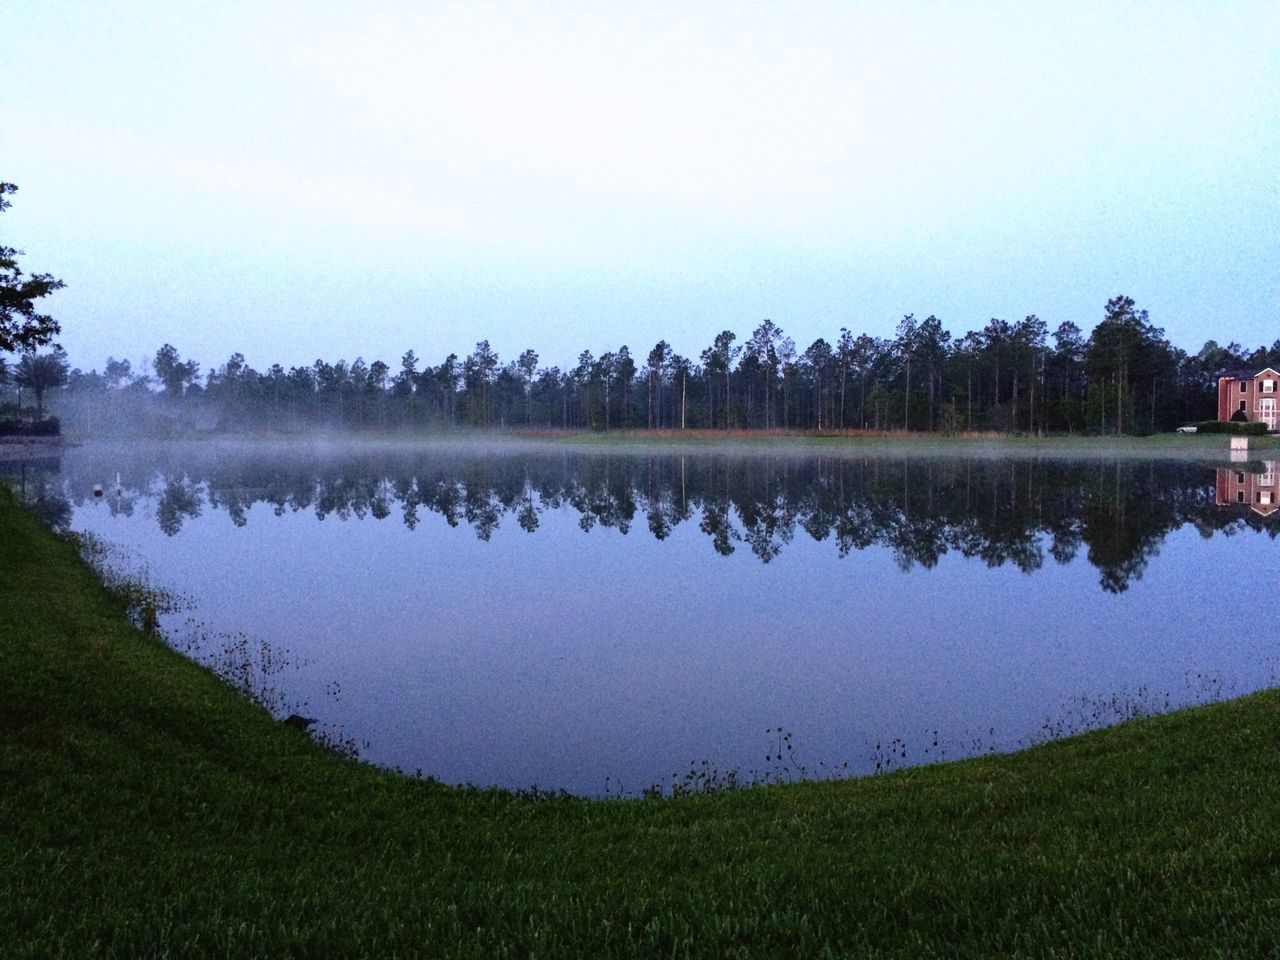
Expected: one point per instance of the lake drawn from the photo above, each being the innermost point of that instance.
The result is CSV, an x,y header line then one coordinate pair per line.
x,y
604,620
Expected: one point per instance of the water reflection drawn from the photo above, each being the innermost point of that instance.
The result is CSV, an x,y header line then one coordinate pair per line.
x,y
37,483
1251,486
1000,512
887,610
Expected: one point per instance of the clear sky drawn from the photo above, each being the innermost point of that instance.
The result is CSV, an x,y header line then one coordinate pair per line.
x,y
336,180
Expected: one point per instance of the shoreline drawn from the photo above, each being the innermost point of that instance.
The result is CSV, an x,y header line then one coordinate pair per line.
x,y
23,448
1209,448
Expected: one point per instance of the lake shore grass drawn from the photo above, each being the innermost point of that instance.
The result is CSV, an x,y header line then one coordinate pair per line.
x,y
1194,446
1209,448
148,811
24,448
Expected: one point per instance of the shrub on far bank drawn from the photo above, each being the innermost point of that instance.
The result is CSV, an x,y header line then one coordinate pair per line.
x,y
48,427
1234,427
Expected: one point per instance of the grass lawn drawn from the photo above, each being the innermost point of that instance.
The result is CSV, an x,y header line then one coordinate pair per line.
x,y
147,811
1203,446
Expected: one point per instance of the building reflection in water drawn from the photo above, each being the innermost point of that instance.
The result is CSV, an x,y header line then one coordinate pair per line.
x,y
1251,485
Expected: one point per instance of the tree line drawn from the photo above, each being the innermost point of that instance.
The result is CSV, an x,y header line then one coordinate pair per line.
x,y
1124,377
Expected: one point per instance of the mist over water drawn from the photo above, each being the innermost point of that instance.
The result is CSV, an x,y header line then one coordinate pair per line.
x,y
599,620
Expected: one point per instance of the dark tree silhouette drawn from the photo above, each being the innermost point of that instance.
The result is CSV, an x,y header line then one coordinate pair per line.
x,y
40,373
21,327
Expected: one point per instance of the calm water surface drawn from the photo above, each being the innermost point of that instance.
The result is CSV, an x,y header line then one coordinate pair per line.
x,y
600,622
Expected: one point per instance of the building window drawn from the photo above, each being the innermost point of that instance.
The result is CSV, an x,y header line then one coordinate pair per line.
x,y
1264,498
1240,476
1239,496
1268,386
1242,403
1244,386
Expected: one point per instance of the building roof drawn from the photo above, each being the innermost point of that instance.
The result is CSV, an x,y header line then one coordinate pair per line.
x,y
1246,375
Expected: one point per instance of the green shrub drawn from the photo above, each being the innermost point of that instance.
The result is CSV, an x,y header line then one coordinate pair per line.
x,y
48,427
1246,429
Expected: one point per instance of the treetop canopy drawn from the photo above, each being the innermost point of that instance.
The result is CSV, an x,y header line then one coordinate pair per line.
x,y
21,327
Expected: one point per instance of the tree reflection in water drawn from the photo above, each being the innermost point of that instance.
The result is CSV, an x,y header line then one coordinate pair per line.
x,y
998,511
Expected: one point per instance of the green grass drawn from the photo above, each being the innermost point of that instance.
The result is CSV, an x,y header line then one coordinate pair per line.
x,y
1207,447
1212,446
146,811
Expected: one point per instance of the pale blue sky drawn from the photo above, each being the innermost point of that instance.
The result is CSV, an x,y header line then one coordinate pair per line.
x,y
340,179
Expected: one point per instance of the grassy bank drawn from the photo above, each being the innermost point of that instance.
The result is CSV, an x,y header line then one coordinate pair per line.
x,y
1209,448
1164,444
147,811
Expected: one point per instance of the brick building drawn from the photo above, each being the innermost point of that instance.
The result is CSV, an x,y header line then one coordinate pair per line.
x,y
1257,396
